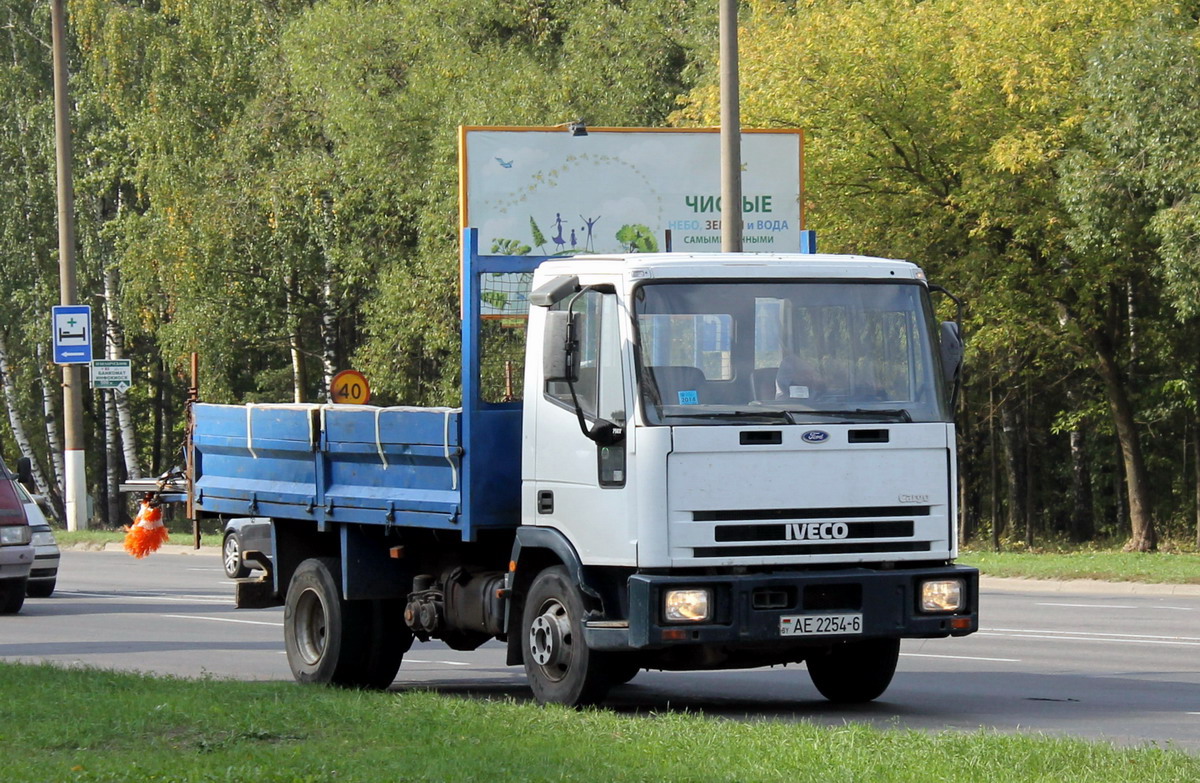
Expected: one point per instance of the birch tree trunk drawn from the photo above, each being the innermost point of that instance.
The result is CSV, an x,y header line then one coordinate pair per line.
x,y
112,475
328,331
299,379
14,417
115,349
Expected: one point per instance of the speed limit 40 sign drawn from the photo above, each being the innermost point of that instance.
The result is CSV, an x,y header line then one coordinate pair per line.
x,y
350,386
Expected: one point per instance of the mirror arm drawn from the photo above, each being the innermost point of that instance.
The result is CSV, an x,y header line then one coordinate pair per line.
x,y
604,433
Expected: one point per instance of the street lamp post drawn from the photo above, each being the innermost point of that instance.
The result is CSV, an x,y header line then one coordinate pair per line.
x,y
731,131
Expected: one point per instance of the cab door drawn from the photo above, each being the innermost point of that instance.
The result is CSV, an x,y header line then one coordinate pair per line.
x,y
579,486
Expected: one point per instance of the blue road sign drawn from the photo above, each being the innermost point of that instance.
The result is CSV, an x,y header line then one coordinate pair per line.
x,y
72,327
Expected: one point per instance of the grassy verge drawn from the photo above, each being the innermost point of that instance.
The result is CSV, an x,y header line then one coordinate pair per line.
x,y
1111,566
96,539
88,725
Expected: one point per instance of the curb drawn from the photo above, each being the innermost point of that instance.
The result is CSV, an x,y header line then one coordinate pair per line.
x,y
1084,587
170,549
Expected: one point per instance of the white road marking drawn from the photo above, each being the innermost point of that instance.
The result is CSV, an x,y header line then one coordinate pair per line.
x,y
149,596
444,663
1089,636
1091,606
220,619
960,657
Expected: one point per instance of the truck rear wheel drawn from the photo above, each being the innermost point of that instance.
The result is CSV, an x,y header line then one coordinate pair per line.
x,y
855,672
353,644
560,667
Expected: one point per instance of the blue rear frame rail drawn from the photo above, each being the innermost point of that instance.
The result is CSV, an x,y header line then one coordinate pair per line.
x,y
491,430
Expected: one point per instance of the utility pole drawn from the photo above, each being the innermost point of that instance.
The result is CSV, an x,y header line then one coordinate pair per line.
x,y
731,131
75,478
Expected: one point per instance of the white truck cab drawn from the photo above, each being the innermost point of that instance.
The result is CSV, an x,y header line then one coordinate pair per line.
x,y
757,449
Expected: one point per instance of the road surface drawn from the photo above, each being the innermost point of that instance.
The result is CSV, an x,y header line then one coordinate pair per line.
x,y
1061,660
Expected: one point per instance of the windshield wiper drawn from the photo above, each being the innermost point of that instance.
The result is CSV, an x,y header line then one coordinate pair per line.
x,y
895,414
769,415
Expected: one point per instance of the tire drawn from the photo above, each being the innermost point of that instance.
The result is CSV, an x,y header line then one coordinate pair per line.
x,y
559,666
12,595
231,557
40,589
855,672
329,640
621,669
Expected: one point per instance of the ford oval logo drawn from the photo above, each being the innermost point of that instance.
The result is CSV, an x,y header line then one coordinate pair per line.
x,y
815,436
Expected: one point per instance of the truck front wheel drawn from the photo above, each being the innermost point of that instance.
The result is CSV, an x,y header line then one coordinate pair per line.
x,y
854,672
353,644
560,667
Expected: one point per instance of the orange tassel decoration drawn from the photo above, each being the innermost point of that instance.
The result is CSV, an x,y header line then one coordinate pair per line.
x,y
147,533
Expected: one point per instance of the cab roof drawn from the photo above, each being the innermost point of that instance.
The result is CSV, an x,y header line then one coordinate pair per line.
x,y
725,265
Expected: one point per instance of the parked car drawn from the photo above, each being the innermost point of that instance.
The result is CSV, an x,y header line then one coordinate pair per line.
x,y
245,534
44,574
16,549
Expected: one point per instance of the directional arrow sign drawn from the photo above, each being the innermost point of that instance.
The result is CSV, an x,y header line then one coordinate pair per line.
x,y
72,334
112,374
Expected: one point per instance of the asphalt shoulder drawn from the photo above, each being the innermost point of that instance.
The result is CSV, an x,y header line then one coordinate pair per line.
x,y
1084,587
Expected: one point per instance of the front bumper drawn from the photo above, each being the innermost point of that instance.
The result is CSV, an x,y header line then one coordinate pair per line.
x,y
746,608
15,561
45,566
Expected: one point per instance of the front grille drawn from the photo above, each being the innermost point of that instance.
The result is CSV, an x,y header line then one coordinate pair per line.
x,y
853,547
898,529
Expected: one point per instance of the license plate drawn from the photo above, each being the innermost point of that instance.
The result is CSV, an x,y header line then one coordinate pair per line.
x,y
820,624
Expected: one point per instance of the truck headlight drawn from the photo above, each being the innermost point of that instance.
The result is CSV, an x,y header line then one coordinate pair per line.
x,y
942,595
11,535
686,606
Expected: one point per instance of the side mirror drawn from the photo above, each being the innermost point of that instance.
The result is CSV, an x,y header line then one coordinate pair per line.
x,y
554,290
25,473
559,357
952,351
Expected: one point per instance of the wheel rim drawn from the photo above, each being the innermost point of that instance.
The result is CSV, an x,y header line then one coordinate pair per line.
x,y
311,626
550,640
233,557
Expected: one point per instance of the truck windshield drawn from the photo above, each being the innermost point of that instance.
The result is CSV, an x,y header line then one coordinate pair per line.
x,y
721,352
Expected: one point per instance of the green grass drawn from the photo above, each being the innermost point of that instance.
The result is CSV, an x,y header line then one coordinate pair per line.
x,y
96,539
90,725
1106,565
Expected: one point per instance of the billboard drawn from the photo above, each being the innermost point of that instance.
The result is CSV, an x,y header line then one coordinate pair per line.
x,y
552,191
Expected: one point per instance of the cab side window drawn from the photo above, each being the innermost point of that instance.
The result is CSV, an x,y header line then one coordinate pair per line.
x,y
600,388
